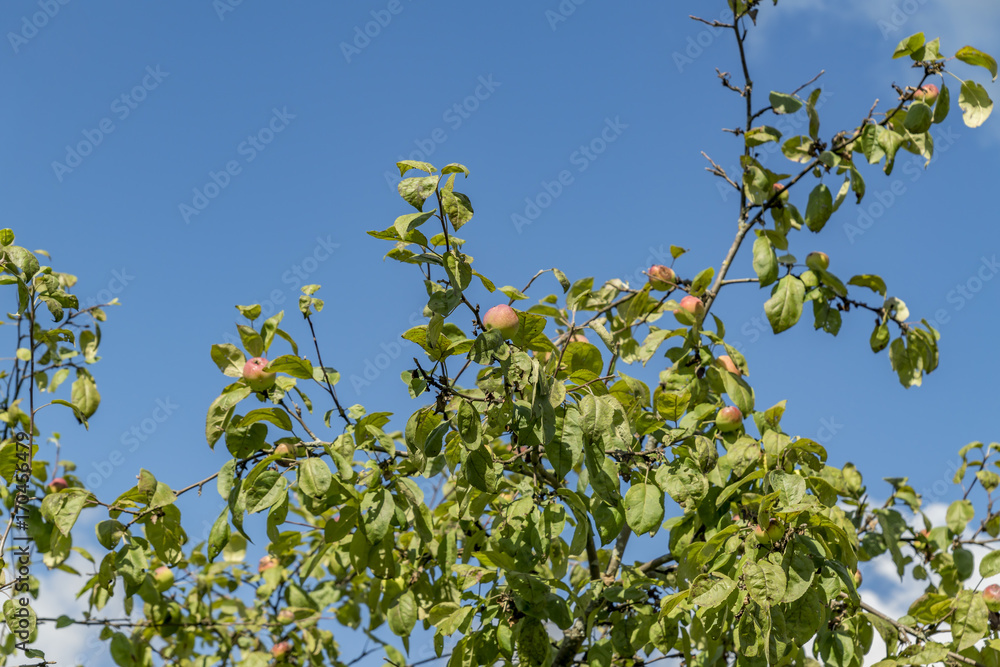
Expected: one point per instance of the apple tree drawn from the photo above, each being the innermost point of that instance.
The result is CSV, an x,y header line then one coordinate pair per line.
x,y
495,519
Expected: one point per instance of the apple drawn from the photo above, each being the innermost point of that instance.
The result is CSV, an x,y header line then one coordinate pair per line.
x,y
730,365
163,578
769,535
286,616
280,649
818,261
926,93
779,189
57,484
691,311
253,373
501,317
662,278
578,338
729,419
857,579
992,597
287,453
267,563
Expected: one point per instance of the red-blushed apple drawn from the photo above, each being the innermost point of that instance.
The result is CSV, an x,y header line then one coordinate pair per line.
x,y
691,311
991,596
858,579
501,317
926,93
730,365
729,419
779,189
267,563
57,484
662,278
818,261
163,577
286,616
253,373
281,649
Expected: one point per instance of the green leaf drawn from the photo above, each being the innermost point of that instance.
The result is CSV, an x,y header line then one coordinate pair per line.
x,y
872,282
765,261
402,615
765,582
229,359
783,103
457,207
973,56
819,208
975,103
314,477
701,282
959,514
292,365
455,168
918,118
784,308
407,165
990,564
756,136
644,508
378,507
909,46
84,394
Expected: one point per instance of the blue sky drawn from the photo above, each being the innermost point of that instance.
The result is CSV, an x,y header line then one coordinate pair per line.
x,y
186,157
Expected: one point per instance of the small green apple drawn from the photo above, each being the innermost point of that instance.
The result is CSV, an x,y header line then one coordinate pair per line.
x,y
729,419
253,373
818,261
163,577
286,616
502,317
765,536
662,278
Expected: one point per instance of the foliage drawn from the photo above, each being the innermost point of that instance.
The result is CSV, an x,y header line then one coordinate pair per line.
x,y
502,510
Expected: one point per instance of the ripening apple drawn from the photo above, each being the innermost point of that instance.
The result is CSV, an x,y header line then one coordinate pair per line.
x,y
501,317
779,189
267,563
857,579
286,616
280,649
926,93
691,311
818,261
991,596
729,419
253,373
662,278
163,577
286,452
730,365
57,484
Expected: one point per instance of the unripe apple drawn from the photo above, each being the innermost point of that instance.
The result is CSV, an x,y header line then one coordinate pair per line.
x,y
818,261
769,535
266,563
779,189
730,365
286,616
691,311
163,577
57,484
857,579
286,452
501,317
729,419
281,649
662,278
992,597
253,373
926,93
